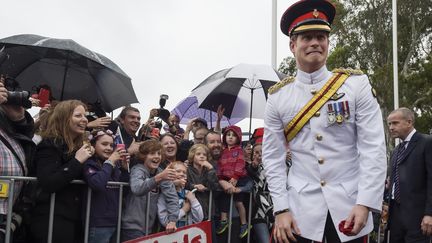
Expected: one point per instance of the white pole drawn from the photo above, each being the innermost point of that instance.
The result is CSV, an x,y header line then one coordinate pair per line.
x,y
395,56
274,35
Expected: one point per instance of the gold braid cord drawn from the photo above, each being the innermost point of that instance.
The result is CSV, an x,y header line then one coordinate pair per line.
x,y
348,71
273,89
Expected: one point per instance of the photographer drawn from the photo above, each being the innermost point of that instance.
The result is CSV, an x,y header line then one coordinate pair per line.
x,y
152,128
198,126
16,150
173,127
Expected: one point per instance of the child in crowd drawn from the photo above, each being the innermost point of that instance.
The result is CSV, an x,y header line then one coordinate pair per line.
x,y
231,168
148,180
190,209
102,167
201,175
262,208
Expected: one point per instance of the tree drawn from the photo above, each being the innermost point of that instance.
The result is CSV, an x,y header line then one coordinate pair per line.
x,y
288,66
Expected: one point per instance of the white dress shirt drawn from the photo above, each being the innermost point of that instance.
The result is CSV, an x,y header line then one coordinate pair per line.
x,y
407,140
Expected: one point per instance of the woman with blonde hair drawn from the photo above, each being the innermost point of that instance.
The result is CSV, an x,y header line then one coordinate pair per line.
x,y
59,159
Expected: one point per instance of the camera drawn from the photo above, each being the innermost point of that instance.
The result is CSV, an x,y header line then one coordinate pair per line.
x,y
158,124
19,98
161,112
162,100
15,97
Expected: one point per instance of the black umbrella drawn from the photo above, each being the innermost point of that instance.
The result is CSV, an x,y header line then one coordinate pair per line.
x,y
241,90
69,69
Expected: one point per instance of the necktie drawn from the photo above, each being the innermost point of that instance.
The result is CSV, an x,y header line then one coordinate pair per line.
x,y
399,156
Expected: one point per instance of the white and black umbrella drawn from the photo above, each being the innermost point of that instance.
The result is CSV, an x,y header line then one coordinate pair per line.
x,y
242,90
69,69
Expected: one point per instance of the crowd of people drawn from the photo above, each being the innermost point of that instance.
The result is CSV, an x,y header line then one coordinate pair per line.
x,y
170,176
317,170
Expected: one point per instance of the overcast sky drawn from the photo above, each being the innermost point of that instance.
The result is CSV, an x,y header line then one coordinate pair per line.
x,y
165,46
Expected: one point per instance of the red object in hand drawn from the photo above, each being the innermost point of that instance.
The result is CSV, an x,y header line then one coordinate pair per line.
x,y
44,95
155,133
121,146
348,230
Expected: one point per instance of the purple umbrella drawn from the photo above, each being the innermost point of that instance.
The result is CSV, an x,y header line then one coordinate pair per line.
x,y
188,109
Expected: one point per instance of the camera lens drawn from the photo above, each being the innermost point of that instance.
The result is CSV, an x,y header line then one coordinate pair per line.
x,y
19,98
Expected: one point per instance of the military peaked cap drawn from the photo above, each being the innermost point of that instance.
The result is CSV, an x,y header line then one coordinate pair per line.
x,y
306,15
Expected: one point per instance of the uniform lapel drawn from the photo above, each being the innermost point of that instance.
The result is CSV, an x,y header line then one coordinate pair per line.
x,y
411,145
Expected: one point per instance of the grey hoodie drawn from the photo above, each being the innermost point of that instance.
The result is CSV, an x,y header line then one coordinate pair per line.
x,y
142,183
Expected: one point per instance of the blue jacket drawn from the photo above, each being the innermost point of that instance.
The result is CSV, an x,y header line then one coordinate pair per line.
x,y
105,198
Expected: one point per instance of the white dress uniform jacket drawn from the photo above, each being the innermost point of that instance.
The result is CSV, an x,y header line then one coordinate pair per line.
x,y
334,166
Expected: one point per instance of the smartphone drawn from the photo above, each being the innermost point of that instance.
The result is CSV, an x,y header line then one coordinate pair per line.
x,y
121,146
44,95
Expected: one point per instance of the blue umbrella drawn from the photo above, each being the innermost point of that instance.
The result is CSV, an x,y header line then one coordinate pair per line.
x,y
188,109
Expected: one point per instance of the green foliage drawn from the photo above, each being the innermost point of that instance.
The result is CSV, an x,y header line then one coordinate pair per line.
x,y
288,66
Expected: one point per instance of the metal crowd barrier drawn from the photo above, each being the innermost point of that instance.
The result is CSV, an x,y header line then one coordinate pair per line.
x,y
12,180
121,185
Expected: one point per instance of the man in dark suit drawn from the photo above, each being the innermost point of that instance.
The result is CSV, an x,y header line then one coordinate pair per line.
x,y
410,180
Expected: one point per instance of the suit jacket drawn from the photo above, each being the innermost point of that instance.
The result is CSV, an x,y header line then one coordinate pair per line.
x,y
415,180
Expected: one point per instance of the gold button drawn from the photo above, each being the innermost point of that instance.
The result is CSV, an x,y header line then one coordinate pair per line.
x,y
313,91
317,114
321,161
319,137
322,183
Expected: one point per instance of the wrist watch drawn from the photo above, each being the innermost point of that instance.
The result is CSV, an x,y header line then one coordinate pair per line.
x,y
281,211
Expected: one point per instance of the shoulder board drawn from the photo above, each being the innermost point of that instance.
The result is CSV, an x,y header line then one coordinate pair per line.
x,y
280,84
348,71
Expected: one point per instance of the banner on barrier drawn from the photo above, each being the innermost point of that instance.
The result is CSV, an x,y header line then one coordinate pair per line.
x,y
194,233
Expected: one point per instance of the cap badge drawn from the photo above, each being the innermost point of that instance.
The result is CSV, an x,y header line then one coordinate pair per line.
x,y
315,13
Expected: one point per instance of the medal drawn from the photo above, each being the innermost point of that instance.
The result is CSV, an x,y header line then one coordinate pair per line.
x,y
346,110
331,117
338,110
339,119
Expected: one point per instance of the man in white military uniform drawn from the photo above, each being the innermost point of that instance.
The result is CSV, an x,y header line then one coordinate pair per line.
x,y
334,128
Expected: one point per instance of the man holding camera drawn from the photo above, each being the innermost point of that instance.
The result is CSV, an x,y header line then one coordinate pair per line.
x,y
173,126
198,127
16,151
